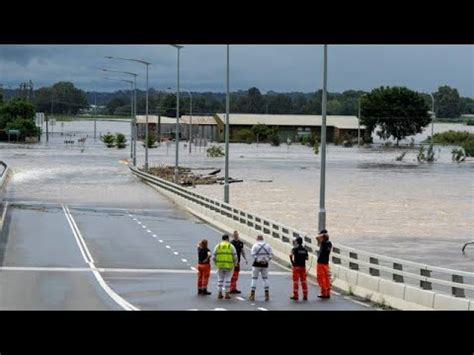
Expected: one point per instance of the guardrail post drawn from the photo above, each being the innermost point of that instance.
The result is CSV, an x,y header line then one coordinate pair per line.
x,y
335,259
353,266
373,271
396,277
425,285
456,291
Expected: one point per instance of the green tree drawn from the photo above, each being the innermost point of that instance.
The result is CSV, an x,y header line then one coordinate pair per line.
x,y
252,102
116,103
67,99
448,103
19,113
262,131
245,135
275,137
120,140
108,139
397,111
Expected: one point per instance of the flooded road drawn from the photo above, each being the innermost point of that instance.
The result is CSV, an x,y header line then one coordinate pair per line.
x,y
419,212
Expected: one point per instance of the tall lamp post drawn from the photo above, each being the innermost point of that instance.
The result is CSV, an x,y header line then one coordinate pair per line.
x,y
131,109
147,64
190,125
227,102
134,112
433,115
322,188
178,47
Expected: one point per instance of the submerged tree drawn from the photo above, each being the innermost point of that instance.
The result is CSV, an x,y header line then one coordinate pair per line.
x,y
397,111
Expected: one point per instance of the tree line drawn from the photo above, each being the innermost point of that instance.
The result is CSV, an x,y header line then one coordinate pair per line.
x,y
65,98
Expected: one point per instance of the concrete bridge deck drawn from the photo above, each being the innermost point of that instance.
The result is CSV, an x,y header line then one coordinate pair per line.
x,y
58,256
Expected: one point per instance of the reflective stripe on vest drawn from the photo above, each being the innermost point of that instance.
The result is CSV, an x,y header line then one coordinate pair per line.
x,y
224,258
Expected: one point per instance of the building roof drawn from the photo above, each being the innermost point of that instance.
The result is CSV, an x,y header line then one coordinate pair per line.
x,y
141,119
200,120
344,122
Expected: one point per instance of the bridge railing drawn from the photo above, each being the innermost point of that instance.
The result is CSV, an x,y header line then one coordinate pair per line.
x,y
425,277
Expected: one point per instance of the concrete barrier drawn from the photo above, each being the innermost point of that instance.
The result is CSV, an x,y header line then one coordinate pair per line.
x,y
445,302
384,292
422,297
392,289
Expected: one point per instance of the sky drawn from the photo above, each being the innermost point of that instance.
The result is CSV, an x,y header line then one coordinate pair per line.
x,y
280,68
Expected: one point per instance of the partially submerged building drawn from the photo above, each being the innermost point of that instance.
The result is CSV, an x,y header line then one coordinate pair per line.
x,y
292,126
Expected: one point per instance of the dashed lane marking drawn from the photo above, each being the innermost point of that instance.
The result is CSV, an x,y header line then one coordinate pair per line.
x,y
168,247
262,309
149,231
175,253
184,260
154,235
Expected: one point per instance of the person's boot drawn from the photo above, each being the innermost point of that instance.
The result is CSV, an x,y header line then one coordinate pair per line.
x,y
205,292
305,297
227,296
199,291
252,295
220,295
294,298
267,295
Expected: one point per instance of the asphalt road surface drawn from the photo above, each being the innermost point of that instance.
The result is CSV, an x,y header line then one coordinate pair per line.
x,y
69,257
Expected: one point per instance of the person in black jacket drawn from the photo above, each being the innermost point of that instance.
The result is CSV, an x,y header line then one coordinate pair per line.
x,y
298,258
322,268
204,267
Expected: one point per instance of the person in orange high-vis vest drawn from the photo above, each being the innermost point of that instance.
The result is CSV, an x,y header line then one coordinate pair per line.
x,y
204,267
322,267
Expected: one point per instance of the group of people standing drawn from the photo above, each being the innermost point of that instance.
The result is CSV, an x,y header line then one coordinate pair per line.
x,y
227,256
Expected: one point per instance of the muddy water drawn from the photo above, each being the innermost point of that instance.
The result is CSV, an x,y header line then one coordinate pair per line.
x,y
420,212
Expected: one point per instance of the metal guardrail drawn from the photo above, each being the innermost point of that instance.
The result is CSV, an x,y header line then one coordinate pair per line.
x,y
455,282
3,175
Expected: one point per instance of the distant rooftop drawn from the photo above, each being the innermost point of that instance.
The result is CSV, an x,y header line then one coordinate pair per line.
x,y
154,119
344,122
200,120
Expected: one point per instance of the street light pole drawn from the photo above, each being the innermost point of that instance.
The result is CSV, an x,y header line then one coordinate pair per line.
x,y
131,112
147,64
227,102
322,188
177,118
146,120
95,116
190,120
133,132
433,115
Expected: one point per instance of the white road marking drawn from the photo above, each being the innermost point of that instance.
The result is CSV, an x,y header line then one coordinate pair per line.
x,y
240,298
111,270
3,215
149,231
85,251
75,236
143,227
134,219
168,247
175,253
220,309
139,222
262,309
184,260
38,268
154,235
161,241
